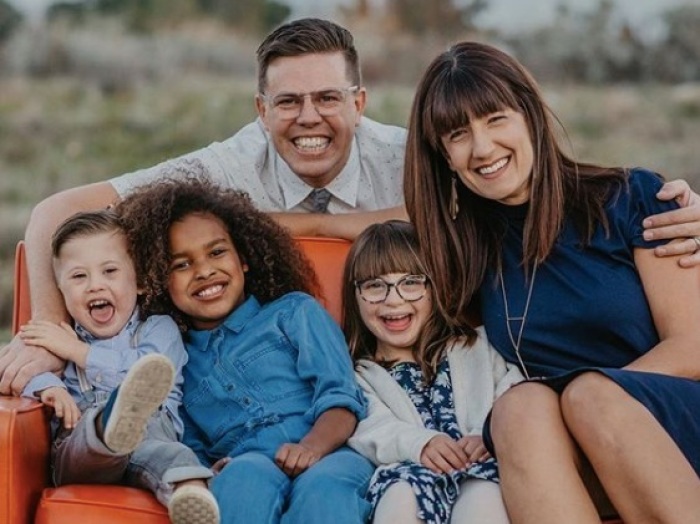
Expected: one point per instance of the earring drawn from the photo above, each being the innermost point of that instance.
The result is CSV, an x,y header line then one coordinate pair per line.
x,y
454,199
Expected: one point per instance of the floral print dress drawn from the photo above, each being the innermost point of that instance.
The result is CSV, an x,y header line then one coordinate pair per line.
x,y
436,493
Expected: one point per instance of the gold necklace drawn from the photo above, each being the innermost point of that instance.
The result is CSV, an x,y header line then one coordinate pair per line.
x,y
516,342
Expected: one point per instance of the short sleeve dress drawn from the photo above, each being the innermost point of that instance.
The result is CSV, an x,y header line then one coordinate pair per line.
x,y
587,309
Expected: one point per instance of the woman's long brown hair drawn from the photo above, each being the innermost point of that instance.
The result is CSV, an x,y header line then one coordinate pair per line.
x,y
469,81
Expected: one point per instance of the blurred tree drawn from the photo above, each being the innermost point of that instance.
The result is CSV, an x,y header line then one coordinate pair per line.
x,y
444,17
9,20
589,46
677,57
362,8
257,16
146,15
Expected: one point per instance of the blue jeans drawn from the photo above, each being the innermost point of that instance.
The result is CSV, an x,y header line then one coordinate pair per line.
x,y
251,489
80,456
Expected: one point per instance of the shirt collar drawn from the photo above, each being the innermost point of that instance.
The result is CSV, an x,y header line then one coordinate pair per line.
x,y
129,327
344,187
235,322
243,314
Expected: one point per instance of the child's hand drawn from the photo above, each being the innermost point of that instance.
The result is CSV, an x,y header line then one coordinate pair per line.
x,y
60,340
63,404
444,455
294,459
473,446
220,464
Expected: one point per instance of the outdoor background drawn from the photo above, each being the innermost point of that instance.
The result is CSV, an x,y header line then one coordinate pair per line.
x,y
93,88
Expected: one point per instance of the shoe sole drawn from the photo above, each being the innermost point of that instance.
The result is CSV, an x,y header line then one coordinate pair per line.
x,y
193,506
144,389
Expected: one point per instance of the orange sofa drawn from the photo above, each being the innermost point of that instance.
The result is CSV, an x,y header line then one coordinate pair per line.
x,y
25,493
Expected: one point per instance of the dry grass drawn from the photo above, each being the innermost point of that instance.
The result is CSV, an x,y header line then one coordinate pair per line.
x,y
58,133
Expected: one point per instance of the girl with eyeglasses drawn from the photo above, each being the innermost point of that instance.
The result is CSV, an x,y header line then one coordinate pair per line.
x,y
429,387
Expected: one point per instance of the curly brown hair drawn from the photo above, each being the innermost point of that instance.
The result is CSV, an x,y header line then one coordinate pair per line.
x,y
276,264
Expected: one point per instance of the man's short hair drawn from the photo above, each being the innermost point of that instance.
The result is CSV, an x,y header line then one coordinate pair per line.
x,y
308,36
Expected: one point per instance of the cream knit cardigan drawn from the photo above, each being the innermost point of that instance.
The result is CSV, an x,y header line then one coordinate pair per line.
x,y
393,430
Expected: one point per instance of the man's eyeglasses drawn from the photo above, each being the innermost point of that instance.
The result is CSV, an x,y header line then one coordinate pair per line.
x,y
328,102
376,290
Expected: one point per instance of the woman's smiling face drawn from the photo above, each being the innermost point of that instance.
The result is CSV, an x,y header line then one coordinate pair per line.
x,y
493,156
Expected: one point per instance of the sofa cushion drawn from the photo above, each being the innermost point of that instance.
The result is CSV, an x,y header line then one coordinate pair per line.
x,y
91,503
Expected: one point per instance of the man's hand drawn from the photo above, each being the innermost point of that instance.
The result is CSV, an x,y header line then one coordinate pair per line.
x,y
444,455
60,340
63,404
19,362
294,459
683,223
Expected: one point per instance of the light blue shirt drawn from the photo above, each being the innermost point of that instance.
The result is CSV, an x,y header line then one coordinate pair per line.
x,y
110,359
372,178
281,364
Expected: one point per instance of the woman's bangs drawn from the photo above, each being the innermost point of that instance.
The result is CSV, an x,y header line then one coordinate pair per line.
x,y
468,95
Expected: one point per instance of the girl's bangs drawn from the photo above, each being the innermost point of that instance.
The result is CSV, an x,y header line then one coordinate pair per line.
x,y
382,256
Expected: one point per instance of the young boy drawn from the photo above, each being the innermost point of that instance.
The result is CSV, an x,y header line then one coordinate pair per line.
x,y
121,388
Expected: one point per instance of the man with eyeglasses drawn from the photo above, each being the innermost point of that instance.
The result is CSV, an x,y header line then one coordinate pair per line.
x,y
311,155
311,159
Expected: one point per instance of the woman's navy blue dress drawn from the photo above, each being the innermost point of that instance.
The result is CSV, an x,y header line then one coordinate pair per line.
x,y
588,309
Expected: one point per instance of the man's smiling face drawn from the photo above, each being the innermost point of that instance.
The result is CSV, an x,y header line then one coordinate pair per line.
x,y
315,147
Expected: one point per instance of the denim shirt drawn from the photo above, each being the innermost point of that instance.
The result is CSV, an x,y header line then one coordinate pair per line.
x,y
285,362
109,359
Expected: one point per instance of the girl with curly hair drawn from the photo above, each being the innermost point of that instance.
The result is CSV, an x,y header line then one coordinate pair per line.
x,y
269,393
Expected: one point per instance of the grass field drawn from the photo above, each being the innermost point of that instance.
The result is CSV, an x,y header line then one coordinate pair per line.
x,y
59,132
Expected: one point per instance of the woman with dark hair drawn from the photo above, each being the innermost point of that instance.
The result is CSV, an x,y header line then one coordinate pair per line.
x,y
569,289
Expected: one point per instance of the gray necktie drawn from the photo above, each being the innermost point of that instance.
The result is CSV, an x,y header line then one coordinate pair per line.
x,y
319,200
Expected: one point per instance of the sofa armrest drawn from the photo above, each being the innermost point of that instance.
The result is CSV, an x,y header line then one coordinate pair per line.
x,y
24,458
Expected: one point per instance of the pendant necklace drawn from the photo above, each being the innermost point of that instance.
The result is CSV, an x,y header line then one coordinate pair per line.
x,y
516,342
